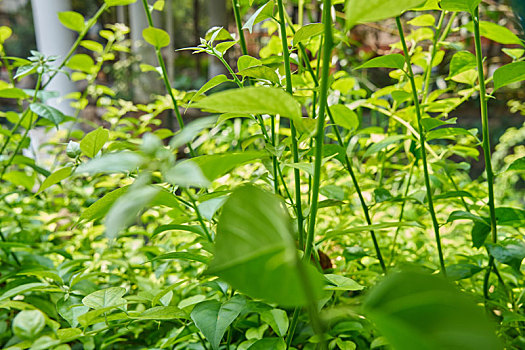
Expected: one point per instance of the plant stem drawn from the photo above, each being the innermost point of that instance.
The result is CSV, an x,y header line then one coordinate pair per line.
x,y
29,126
167,81
80,37
238,22
349,167
295,146
486,144
428,71
319,142
410,75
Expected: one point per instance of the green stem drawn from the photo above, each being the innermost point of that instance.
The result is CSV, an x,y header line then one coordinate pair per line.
x,y
295,146
80,37
486,145
319,142
428,71
349,167
238,22
19,145
166,80
410,75
402,212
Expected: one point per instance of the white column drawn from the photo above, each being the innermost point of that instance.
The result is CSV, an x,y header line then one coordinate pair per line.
x,y
53,38
218,18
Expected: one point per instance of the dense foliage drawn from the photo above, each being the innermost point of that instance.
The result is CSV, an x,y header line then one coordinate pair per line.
x,y
309,209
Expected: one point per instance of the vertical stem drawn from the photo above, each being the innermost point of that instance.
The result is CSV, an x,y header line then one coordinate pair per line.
x,y
238,22
166,79
486,144
295,146
319,141
410,75
428,71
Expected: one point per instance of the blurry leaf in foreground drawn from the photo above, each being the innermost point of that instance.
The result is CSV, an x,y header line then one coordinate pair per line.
x,y
255,251
416,311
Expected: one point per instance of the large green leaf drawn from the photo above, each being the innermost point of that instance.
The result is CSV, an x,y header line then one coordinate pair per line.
x,y
254,238
213,318
460,5
111,163
277,319
264,12
47,112
27,324
508,74
395,61
252,100
308,31
510,252
156,37
345,117
496,32
127,207
186,174
72,20
93,142
364,11
55,178
518,165
217,165
105,298
416,311
99,209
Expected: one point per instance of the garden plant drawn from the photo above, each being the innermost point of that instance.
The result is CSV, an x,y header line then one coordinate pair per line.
x,y
305,208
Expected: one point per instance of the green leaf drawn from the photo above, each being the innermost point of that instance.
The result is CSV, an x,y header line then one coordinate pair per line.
x,y
253,100
260,72
480,232
20,178
268,343
518,165
216,165
111,163
164,228
119,2
72,20
105,298
509,216
5,33
27,324
337,282
156,37
254,238
461,62
186,174
495,32
100,208
55,178
458,272
158,313
344,117
426,20
277,319
127,207
308,31
376,147
264,12
364,11
213,318
415,311
191,131
13,93
213,82
92,46
70,309
47,112
508,74
446,133
396,61
183,256
93,142
510,252
81,62
460,5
